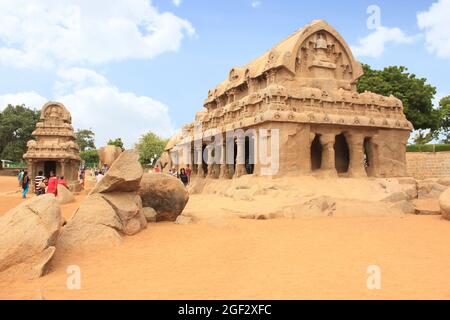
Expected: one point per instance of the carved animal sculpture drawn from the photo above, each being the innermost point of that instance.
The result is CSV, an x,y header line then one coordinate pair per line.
x,y
108,154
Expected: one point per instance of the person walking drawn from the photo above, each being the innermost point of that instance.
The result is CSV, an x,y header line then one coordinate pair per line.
x,y
25,184
52,186
63,182
39,184
183,177
20,177
188,173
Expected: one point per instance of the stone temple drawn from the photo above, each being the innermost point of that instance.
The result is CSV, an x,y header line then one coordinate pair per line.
x,y
305,86
55,148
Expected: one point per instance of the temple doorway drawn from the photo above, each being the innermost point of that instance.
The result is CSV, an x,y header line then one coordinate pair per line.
x,y
342,154
316,153
49,166
204,163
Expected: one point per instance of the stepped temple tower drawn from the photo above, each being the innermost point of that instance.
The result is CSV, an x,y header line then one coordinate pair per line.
x,y
305,86
55,148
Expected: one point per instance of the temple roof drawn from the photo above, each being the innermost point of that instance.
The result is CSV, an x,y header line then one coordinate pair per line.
x,y
284,55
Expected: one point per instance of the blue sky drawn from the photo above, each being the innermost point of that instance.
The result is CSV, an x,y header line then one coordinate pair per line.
x,y
126,67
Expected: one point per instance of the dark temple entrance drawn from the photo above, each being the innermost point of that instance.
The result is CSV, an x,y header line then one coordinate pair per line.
x,y
49,166
342,154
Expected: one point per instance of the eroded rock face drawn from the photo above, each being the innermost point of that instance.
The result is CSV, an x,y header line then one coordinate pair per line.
x,y
444,203
166,194
64,195
111,210
123,176
28,234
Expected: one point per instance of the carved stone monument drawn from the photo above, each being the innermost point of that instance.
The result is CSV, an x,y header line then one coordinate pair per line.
x,y
55,148
305,87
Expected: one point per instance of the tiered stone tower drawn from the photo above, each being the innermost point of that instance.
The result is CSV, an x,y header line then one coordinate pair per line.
x,y
55,148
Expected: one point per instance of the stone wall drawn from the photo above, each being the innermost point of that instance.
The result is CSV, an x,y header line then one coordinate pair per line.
x,y
422,165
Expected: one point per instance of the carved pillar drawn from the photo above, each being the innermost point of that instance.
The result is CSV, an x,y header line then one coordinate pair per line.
x,y
199,152
210,162
356,147
63,168
328,156
223,163
240,157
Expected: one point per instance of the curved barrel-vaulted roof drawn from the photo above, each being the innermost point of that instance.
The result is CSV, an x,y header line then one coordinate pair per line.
x,y
283,54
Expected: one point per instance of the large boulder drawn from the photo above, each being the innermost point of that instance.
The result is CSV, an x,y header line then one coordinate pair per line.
x,y
164,193
444,203
108,154
64,195
123,176
94,223
28,235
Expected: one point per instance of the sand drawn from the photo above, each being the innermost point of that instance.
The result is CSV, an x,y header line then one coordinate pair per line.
x,y
224,257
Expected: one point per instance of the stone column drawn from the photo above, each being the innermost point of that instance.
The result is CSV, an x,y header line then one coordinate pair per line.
x,y
356,147
328,156
63,169
210,148
223,163
240,157
199,152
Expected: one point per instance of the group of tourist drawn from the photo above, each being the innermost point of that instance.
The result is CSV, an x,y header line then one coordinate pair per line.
x,y
184,174
100,173
42,184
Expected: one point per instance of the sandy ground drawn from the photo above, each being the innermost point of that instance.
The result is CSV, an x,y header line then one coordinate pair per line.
x,y
224,257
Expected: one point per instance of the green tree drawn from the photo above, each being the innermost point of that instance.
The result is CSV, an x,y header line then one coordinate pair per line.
x,y
444,109
150,147
423,137
90,157
16,126
116,142
85,139
415,93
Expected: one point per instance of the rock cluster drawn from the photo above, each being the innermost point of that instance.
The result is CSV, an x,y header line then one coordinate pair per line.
x,y
29,234
112,209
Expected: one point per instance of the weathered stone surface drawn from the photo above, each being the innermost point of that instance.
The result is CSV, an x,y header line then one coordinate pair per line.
x,y
430,189
128,207
150,214
94,223
108,154
444,203
166,194
183,220
123,176
406,180
427,206
404,206
28,234
64,195
395,197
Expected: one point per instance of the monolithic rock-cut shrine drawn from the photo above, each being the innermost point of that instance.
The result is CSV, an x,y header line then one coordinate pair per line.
x,y
55,148
305,86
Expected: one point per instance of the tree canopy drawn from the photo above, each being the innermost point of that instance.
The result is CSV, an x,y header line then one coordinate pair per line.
x,y
16,126
444,108
85,139
415,93
116,142
150,147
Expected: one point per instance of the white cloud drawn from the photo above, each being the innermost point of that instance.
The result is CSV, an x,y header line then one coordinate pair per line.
x,y
61,33
436,25
31,99
256,4
95,103
176,3
375,43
